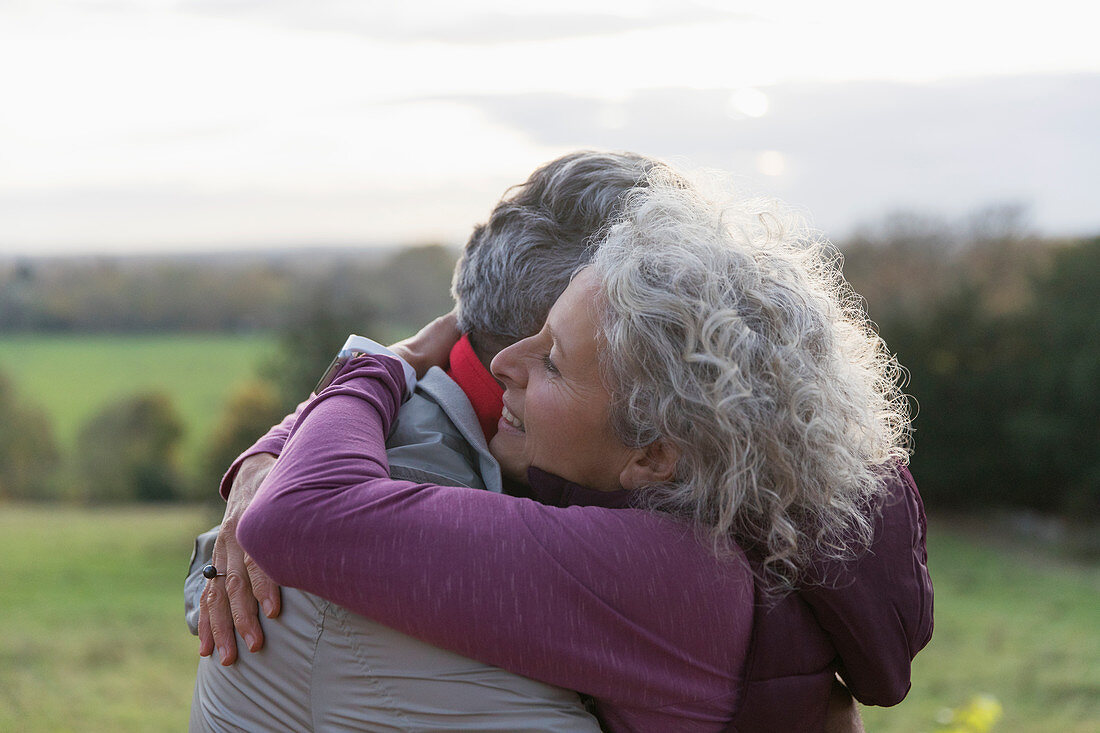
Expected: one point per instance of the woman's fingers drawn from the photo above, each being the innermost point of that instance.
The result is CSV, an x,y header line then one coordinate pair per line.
x,y
243,608
264,589
215,615
244,614
229,603
206,636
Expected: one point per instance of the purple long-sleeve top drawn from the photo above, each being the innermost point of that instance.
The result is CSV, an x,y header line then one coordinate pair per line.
x,y
617,603
621,604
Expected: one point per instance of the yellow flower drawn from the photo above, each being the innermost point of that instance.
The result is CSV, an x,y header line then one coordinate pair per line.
x,y
979,715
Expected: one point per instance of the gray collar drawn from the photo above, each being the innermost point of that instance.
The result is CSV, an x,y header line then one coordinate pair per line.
x,y
441,388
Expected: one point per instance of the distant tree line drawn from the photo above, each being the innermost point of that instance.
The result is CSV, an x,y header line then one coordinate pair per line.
x,y
218,293
998,328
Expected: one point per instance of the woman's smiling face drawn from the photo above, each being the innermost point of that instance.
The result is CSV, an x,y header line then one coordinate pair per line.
x,y
555,406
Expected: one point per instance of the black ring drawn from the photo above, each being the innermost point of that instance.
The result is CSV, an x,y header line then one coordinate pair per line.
x,y
210,572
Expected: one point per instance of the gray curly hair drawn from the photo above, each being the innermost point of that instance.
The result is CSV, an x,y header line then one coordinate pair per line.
x,y
728,330
515,266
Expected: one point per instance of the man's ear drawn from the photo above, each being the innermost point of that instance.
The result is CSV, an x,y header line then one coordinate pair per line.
x,y
651,464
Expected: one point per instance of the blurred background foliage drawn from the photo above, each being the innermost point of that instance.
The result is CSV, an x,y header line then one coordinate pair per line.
x,y
127,445
28,450
1000,331
127,452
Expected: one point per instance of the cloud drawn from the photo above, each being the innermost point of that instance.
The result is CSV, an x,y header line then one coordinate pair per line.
x,y
507,23
851,150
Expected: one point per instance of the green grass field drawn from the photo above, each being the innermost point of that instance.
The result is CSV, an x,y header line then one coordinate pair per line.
x,y
73,377
93,636
1014,623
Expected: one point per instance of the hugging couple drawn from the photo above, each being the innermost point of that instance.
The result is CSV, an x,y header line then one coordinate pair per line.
x,y
650,475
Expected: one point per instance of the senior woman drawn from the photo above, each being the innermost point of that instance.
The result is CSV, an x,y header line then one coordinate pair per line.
x,y
707,422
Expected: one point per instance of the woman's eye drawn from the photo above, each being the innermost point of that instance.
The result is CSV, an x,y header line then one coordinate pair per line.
x,y
548,363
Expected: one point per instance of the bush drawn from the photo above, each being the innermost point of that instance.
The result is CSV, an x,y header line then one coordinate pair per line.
x,y
314,332
28,452
1057,431
1008,398
387,302
127,452
252,409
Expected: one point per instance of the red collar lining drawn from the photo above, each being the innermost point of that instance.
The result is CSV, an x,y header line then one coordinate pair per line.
x,y
484,392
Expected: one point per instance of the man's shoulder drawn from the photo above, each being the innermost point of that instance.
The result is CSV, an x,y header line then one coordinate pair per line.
x,y
436,438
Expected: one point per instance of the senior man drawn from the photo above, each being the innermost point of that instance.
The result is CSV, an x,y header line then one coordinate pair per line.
x,y
316,666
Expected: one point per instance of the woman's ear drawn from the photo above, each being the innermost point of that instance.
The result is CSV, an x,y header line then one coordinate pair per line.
x,y
651,464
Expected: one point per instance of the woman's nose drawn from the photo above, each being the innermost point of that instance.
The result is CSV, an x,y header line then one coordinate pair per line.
x,y
506,364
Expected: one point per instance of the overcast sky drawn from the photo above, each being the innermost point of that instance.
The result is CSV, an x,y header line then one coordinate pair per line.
x,y
185,125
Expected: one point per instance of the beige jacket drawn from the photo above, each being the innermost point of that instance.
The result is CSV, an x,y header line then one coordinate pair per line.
x,y
324,668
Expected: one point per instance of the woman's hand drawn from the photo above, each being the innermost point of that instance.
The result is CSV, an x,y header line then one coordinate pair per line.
x,y
431,346
229,602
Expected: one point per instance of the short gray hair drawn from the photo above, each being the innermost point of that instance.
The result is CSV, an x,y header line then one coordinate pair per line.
x,y
728,330
515,266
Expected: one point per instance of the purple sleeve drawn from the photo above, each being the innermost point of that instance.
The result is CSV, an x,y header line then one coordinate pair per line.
x,y
587,598
878,611
271,442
